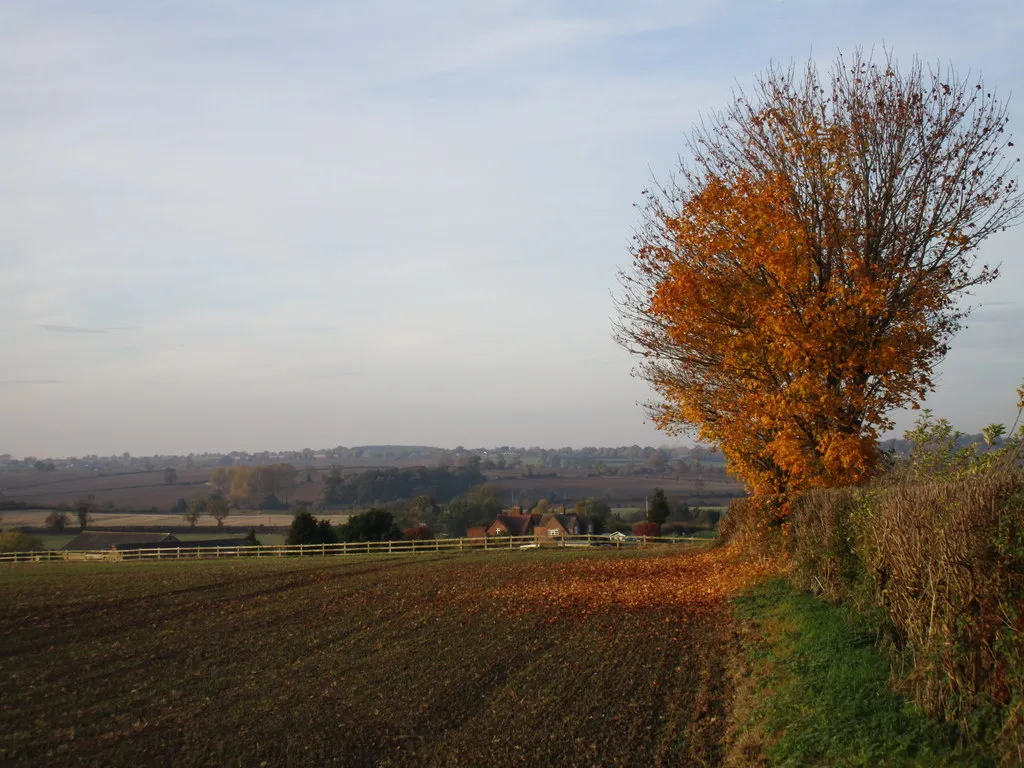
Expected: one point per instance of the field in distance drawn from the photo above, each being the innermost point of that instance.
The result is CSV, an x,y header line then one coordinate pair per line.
x,y
147,490
238,520
518,658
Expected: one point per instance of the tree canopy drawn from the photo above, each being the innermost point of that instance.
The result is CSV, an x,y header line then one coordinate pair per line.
x,y
373,525
658,507
803,275
375,486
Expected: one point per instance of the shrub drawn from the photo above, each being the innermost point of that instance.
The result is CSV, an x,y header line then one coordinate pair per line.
x,y
647,529
616,524
270,501
306,529
421,531
946,561
372,525
57,521
680,529
822,543
757,524
14,540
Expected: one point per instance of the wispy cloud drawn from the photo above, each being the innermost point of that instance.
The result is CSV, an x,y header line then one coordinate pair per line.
x,y
372,222
77,329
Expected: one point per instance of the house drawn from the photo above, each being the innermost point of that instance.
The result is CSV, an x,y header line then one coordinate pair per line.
x,y
563,524
120,540
515,524
539,525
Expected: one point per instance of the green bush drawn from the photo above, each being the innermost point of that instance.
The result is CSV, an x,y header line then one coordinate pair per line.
x,y
14,540
372,525
306,529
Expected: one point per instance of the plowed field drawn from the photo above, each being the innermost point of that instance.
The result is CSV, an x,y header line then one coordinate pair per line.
x,y
520,658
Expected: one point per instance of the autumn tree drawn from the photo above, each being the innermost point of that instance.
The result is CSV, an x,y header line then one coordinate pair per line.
x,y
219,479
802,276
241,483
253,484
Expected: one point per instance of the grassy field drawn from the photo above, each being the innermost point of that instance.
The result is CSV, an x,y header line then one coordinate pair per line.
x,y
130,490
815,692
207,527
58,540
520,658
145,490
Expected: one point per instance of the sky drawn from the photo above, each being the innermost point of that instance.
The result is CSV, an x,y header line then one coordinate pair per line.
x,y
252,225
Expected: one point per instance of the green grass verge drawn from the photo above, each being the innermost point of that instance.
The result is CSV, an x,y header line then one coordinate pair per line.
x,y
54,540
818,690
58,540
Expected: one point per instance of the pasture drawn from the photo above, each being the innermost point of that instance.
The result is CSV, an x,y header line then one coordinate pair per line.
x,y
206,528
545,657
128,490
147,490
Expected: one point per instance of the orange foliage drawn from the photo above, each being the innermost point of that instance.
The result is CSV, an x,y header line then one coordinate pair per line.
x,y
695,582
802,281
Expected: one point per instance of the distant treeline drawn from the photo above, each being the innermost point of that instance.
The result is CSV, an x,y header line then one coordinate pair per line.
x,y
380,486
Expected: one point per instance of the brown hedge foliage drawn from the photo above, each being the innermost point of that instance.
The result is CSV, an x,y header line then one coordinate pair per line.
x,y
942,562
757,524
823,559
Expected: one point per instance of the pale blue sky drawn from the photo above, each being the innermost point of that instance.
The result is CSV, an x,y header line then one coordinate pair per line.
x,y
293,224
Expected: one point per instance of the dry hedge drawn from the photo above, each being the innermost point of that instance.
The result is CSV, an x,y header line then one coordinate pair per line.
x,y
942,565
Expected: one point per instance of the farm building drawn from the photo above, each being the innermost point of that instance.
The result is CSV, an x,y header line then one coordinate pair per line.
x,y
238,542
122,540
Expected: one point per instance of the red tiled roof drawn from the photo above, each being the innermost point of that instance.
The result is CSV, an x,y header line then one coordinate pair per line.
x,y
516,525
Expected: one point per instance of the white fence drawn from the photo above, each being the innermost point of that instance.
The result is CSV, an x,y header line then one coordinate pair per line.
x,y
409,546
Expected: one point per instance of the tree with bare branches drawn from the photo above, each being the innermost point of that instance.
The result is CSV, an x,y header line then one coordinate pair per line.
x,y
803,275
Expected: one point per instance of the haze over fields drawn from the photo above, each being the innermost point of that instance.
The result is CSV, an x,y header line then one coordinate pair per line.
x,y
237,226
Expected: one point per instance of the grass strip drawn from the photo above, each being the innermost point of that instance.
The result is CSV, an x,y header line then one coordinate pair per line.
x,y
814,691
